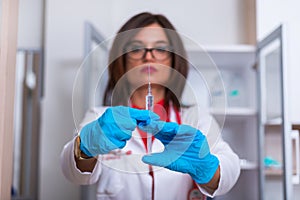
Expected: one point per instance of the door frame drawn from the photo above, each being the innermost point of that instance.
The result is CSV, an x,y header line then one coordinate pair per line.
x,y
8,49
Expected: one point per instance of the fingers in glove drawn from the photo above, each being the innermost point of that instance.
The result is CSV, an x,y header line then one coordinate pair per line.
x,y
164,131
128,118
143,116
157,159
119,116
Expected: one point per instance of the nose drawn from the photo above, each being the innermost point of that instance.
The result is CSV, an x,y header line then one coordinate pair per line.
x,y
148,55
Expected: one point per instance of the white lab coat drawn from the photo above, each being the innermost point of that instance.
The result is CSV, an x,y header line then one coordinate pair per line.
x,y
122,174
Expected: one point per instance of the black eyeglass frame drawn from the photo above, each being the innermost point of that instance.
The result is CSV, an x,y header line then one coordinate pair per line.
x,y
167,49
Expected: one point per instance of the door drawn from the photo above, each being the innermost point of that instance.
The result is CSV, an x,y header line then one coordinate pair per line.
x,y
90,84
275,161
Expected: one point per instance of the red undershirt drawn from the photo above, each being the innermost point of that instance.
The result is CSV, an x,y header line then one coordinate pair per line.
x,y
164,114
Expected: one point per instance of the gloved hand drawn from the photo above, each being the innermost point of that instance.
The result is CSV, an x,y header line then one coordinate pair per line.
x,y
186,150
112,129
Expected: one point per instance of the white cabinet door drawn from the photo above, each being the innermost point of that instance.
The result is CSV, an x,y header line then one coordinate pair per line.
x,y
274,127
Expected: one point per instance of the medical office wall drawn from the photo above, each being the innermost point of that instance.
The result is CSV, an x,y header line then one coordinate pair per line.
x,y
213,22
270,14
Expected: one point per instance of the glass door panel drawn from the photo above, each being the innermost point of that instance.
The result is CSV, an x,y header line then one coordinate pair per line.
x,y
273,82
275,142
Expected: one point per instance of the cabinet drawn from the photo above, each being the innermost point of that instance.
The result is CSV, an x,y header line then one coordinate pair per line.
x,y
257,128
238,121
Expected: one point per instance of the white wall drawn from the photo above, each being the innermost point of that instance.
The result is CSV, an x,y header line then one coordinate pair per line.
x,y
63,51
271,13
207,22
30,24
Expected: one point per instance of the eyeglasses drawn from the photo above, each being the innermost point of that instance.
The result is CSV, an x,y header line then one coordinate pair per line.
x,y
158,53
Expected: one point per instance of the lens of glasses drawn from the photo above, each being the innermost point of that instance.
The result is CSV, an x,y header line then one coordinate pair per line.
x,y
158,53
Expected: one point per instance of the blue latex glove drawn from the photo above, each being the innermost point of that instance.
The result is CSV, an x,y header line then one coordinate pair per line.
x,y
112,129
186,150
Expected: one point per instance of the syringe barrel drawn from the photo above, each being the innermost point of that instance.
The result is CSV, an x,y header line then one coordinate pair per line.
x,y
149,102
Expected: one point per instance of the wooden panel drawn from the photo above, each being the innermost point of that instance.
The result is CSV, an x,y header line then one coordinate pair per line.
x,y
296,127
8,46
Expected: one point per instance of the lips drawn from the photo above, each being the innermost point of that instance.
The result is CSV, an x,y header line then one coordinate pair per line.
x,y
149,69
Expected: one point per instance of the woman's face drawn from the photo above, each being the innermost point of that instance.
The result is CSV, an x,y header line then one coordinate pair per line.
x,y
148,57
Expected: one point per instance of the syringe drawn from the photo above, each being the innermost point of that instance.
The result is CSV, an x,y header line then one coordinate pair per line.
x,y
149,106
149,98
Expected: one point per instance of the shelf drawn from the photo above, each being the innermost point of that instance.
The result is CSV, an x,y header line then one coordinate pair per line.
x,y
274,122
233,112
227,56
276,172
273,172
248,165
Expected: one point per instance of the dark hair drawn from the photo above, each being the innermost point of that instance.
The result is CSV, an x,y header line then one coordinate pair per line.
x,y
117,59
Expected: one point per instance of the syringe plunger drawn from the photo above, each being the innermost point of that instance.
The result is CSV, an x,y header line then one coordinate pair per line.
x,y
149,99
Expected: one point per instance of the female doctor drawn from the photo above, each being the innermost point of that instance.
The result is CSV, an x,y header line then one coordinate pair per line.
x,y
111,148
